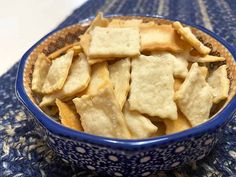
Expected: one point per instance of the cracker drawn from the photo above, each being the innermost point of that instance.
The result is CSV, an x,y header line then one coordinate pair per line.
x,y
161,37
152,87
194,97
139,125
125,23
189,37
205,59
120,77
209,58
61,51
194,56
179,60
99,79
68,117
40,72
101,114
85,39
220,83
114,42
58,73
178,125
77,80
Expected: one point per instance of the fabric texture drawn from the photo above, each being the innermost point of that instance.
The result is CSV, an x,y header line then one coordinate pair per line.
x,y
24,153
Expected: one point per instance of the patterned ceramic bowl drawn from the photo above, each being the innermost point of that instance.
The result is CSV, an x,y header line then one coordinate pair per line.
x,y
118,157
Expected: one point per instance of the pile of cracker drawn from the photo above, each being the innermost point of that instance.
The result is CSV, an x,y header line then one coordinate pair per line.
x,y
131,79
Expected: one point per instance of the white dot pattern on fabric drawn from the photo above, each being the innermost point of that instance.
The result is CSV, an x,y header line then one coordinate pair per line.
x,y
90,167
209,141
118,174
145,159
80,150
112,158
179,149
146,173
175,164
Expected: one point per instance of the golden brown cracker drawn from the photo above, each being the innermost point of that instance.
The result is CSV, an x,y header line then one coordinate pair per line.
x,y
161,37
68,117
189,37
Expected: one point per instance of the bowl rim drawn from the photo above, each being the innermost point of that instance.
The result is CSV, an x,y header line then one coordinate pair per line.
x,y
52,126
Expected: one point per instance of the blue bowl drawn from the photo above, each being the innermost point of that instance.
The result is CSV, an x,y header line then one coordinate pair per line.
x,y
119,157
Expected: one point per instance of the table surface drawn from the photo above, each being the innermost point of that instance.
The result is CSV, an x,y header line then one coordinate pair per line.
x,y
24,22
22,151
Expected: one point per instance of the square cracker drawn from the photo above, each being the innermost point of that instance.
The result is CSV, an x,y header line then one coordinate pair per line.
x,y
139,125
77,80
40,72
152,87
188,36
101,114
219,82
161,37
114,42
58,73
85,39
120,77
194,97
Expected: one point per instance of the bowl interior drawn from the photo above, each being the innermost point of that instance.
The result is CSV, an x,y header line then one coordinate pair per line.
x,y
71,34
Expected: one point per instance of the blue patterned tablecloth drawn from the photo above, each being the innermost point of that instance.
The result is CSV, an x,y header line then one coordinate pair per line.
x,y
23,153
